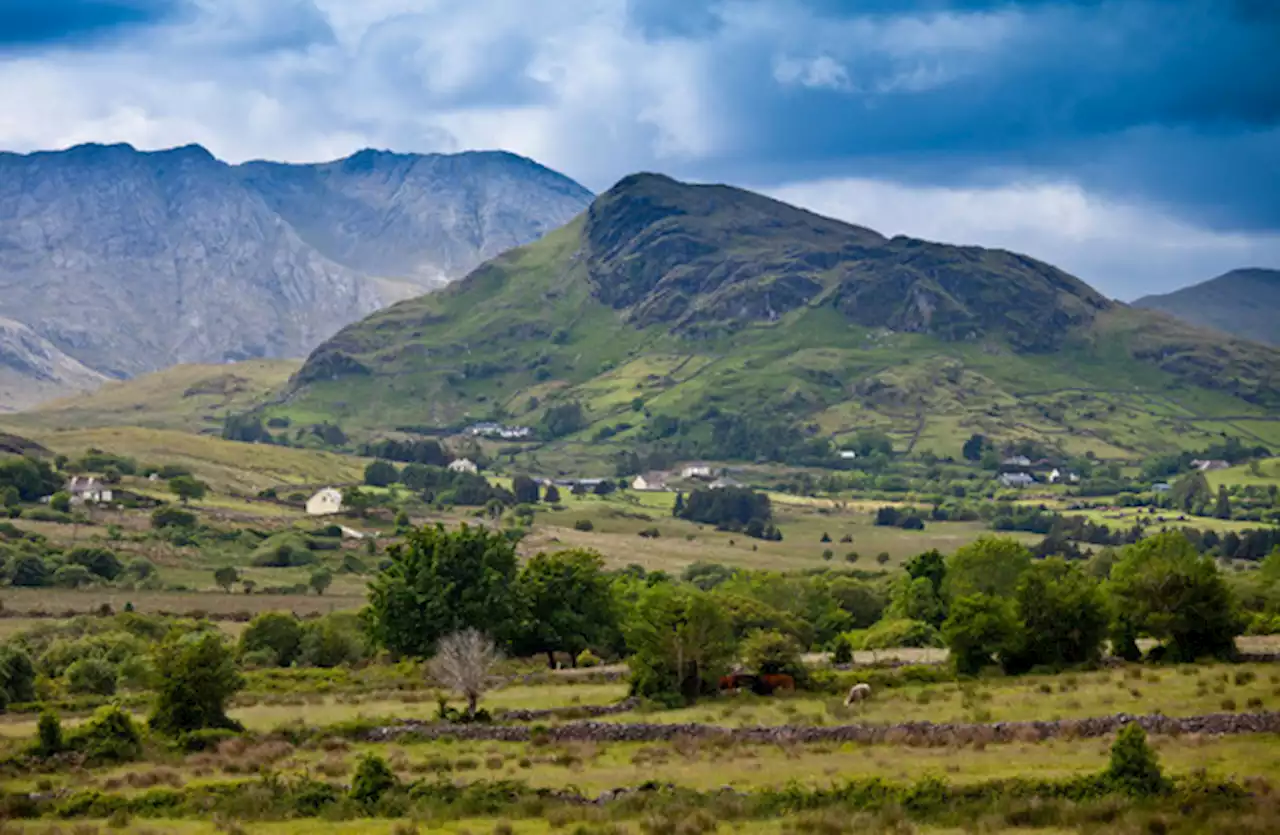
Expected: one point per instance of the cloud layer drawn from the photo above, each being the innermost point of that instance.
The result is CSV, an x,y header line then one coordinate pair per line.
x,y
1136,142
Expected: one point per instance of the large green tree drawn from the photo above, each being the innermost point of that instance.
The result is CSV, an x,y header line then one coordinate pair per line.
x,y
979,630
1063,616
988,565
568,604
1163,588
441,581
681,643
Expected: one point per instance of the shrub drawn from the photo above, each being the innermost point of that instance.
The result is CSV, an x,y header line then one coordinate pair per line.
x,y
172,517
332,641
111,736
93,676
1134,767
72,577
101,561
372,780
29,572
584,525
769,652
841,650
276,633
197,675
17,676
49,739
892,633
587,658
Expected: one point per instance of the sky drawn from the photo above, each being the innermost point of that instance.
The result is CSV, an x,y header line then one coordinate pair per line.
x,y
1135,143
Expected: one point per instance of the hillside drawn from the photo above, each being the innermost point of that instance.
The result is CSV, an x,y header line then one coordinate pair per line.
x,y
190,398
712,322
1244,303
129,262
32,369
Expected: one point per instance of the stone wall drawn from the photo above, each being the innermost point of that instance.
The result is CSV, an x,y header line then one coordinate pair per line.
x,y
907,733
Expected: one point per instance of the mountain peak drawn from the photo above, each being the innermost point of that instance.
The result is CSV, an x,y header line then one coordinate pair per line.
x,y
1243,302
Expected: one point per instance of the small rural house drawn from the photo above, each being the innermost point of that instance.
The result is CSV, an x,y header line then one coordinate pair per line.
x,y
1209,466
698,470
1161,487
1016,480
89,489
724,482
464,465
1017,461
848,455
325,503
650,481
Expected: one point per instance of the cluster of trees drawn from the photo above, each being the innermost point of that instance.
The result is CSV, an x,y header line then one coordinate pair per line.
x,y
30,560
730,509
249,428
731,437
994,604
408,452
895,517
438,485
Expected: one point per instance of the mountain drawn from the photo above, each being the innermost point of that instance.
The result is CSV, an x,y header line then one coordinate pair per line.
x,y
1244,303
32,369
130,262
712,322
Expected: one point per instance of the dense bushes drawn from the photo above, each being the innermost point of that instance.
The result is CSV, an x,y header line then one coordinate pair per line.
x,y
733,509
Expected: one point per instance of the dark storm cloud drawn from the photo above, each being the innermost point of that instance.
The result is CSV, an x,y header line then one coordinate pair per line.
x,y
1130,94
25,23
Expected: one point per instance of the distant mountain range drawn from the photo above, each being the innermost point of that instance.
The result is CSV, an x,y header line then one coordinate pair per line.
x,y
1244,303
707,321
115,262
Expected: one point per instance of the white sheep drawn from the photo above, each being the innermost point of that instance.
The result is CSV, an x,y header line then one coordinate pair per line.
x,y
857,693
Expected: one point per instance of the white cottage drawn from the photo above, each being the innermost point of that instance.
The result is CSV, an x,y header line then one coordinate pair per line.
x,y
464,465
325,503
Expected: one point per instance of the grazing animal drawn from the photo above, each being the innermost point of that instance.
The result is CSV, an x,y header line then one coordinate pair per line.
x,y
740,681
857,693
778,681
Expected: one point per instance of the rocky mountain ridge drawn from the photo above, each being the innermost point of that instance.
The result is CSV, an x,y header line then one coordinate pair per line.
x,y
128,261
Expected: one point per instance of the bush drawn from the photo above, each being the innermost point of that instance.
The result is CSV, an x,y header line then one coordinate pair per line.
x,y
29,572
197,676
172,517
332,641
17,676
979,629
372,780
72,577
1134,767
584,525
285,550
111,736
101,561
588,659
93,676
892,633
49,739
275,633
769,652
841,650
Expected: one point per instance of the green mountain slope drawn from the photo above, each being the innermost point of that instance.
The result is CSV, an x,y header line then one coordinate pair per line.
x,y
710,321
1243,303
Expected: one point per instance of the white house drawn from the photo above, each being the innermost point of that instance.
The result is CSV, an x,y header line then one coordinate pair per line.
x,y
1016,480
696,471
464,465
325,503
89,489
1161,487
848,455
1017,461
1055,476
1209,466
650,481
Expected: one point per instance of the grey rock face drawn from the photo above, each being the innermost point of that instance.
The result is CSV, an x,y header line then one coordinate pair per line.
x,y
130,262
33,370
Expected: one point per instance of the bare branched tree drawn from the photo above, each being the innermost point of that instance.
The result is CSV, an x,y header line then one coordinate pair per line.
x,y
464,662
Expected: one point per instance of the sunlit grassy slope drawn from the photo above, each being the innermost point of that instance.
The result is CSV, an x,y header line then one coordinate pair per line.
x,y
670,300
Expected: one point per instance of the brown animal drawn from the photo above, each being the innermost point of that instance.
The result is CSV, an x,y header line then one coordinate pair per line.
x,y
739,681
778,681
